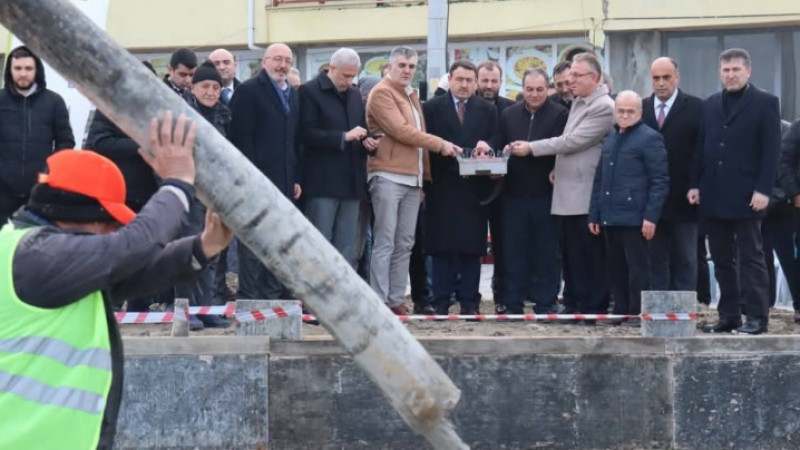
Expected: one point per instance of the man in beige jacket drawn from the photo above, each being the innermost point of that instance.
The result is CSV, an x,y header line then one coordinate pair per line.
x,y
395,173
577,154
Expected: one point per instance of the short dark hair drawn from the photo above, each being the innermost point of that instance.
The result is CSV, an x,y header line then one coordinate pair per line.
x,y
561,67
592,61
21,52
183,56
463,64
491,65
535,71
735,53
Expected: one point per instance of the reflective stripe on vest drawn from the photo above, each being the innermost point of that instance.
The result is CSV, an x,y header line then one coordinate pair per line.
x,y
43,394
59,351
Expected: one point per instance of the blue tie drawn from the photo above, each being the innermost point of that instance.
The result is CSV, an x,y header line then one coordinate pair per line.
x,y
227,93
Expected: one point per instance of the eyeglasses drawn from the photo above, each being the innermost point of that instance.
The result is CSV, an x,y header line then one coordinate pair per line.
x,y
279,60
578,75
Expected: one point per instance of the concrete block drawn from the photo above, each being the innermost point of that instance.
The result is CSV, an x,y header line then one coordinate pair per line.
x,y
747,401
197,401
289,328
668,302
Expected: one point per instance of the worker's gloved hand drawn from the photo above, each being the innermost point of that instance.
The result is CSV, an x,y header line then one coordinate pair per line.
x,y
216,235
170,153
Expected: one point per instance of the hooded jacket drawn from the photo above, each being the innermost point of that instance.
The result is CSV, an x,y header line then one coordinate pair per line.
x,y
31,128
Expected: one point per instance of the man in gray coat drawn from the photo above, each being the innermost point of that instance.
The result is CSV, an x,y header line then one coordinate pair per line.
x,y
577,153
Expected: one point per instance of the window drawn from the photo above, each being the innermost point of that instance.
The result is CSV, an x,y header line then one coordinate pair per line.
x,y
697,63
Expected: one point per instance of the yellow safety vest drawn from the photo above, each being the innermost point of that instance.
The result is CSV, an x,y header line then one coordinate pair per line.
x,y
55,366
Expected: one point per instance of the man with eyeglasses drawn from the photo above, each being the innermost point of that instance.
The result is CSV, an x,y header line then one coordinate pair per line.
x,y
577,153
630,185
266,112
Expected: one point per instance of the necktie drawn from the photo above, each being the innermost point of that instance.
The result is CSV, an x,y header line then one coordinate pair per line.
x,y
661,116
226,96
460,109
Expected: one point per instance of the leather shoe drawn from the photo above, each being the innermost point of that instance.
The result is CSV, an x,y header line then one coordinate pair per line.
x,y
424,310
195,324
752,327
722,326
214,321
555,308
400,310
469,311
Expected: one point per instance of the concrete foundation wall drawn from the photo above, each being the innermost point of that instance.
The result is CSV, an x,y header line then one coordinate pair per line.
x,y
518,393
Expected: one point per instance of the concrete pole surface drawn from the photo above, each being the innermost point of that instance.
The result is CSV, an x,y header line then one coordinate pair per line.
x,y
180,321
262,218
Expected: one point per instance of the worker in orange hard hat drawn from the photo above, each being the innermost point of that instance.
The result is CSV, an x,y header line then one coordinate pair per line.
x,y
65,257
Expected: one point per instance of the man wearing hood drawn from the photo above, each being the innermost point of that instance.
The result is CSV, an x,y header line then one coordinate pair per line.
x,y
34,123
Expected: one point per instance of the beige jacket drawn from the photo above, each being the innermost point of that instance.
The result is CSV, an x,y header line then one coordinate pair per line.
x,y
389,112
578,152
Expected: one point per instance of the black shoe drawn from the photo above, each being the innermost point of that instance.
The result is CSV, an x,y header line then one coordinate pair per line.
x,y
513,310
214,321
441,310
722,326
797,317
469,310
195,324
424,309
612,322
752,327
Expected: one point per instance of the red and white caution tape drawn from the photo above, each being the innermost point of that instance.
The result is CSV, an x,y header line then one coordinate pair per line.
x,y
228,309
293,311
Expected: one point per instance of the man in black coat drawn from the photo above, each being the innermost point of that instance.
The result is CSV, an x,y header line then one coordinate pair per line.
x,y
455,220
735,175
630,186
334,136
530,231
34,122
677,116
181,67
561,81
225,62
265,112
490,78
789,177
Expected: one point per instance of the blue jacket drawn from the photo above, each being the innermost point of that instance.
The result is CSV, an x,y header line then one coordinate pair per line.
x,y
632,179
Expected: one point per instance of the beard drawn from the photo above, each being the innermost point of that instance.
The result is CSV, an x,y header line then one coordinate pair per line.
x,y
23,85
488,94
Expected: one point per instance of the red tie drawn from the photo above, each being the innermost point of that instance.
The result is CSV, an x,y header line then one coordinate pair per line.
x,y
661,116
460,108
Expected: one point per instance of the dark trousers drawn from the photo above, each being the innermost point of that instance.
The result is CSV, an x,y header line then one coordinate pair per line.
x,y
584,265
417,270
531,253
724,238
703,273
255,281
456,273
9,204
780,233
673,256
200,292
629,267
496,229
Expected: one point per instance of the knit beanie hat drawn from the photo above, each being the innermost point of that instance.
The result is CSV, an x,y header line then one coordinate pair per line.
x,y
206,71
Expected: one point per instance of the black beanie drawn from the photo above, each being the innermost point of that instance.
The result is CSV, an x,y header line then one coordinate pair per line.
x,y
55,204
206,71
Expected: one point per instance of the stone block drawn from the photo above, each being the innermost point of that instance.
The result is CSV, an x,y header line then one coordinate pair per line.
x,y
668,302
288,328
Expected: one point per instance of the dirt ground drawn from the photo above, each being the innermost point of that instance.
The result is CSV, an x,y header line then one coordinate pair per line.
x,y
781,323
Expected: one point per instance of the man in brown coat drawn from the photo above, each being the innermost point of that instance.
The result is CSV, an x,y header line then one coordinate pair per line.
x,y
395,173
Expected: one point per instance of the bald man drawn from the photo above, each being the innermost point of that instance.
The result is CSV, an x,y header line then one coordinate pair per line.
x,y
266,112
225,63
677,116
630,185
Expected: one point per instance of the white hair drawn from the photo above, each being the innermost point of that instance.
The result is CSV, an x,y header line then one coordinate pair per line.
x,y
345,57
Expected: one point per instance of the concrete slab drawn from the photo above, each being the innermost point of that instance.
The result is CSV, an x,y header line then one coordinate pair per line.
x,y
286,328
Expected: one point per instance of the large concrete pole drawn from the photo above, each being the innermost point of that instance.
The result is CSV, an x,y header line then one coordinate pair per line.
x,y
437,40
261,216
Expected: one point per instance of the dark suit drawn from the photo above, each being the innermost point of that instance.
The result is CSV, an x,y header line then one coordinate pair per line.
x,y
560,100
455,220
264,132
674,248
740,156
530,231
335,171
495,210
